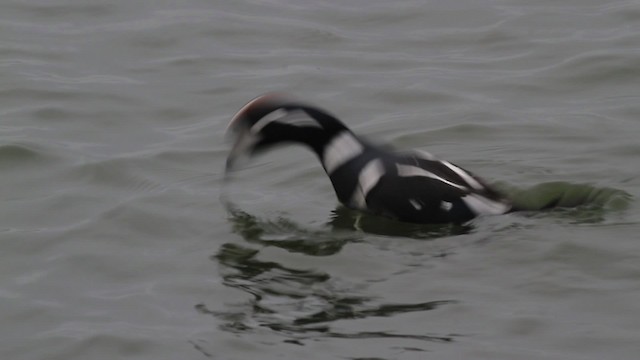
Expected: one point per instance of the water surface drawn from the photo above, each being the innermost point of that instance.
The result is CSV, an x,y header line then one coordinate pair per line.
x,y
117,239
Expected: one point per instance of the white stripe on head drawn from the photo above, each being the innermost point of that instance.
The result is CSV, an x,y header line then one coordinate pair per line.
x,y
367,180
483,206
464,175
282,116
275,115
343,147
410,170
298,117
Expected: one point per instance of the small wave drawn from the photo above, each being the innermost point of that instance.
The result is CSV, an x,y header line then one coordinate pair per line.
x,y
61,10
76,80
597,68
13,155
117,173
20,93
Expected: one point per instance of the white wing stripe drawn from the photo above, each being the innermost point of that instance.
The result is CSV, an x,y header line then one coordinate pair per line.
x,y
342,148
409,170
301,119
464,175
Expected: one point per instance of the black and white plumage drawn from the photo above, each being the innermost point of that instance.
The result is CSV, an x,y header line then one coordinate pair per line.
x,y
409,186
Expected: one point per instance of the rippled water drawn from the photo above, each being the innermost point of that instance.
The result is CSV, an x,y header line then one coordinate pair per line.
x,y
117,239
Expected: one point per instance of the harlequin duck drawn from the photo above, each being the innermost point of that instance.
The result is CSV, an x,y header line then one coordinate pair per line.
x,y
411,186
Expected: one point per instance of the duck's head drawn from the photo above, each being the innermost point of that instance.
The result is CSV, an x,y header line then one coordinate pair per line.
x,y
276,118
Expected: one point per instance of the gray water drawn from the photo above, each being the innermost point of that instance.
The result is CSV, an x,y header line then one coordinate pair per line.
x,y
118,240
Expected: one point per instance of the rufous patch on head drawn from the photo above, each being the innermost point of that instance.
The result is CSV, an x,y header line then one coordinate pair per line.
x,y
259,101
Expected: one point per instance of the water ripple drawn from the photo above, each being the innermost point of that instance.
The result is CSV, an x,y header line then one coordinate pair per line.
x,y
292,302
111,154
21,154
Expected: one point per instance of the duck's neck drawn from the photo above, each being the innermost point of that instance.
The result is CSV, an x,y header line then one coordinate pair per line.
x,y
332,142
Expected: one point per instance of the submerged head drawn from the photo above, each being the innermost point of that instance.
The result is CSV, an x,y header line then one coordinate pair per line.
x,y
275,118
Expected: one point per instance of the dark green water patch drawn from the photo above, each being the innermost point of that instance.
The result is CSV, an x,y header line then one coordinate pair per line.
x,y
560,194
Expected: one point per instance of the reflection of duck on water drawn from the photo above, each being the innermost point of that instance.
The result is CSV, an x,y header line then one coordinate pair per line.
x,y
298,303
409,186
